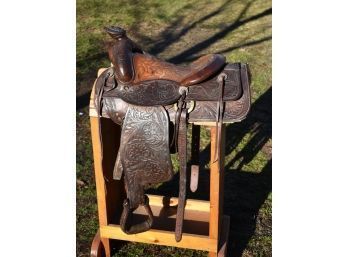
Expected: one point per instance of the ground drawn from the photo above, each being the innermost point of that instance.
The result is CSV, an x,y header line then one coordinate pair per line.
x,y
180,31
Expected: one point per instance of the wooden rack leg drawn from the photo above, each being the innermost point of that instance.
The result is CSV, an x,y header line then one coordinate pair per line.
x,y
216,186
100,183
97,249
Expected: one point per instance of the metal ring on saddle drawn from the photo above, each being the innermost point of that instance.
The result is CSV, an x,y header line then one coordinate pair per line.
x,y
221,77
184,91
192,105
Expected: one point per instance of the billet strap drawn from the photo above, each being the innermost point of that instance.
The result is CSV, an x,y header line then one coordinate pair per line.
x,y
127,215
196,129
182,149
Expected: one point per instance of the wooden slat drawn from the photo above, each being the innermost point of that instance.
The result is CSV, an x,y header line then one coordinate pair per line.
x,y
98,169
159,237
99,180
195,222
209,123
216,186
92,109
97,246
191,204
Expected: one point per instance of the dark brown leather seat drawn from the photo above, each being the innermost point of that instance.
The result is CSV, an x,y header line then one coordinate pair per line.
x,y
132,65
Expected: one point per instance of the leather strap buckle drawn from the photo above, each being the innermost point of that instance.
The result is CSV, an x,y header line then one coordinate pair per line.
x,y
191,105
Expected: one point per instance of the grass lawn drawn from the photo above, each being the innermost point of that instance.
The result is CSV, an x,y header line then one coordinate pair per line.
x,y
180,31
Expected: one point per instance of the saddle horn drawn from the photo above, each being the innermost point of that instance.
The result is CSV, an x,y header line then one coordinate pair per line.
x,y
115,32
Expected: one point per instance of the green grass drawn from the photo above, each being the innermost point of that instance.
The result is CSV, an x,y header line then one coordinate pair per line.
x,y
180,31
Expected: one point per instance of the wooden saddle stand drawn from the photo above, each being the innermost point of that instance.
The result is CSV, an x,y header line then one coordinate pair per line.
x,y
140,109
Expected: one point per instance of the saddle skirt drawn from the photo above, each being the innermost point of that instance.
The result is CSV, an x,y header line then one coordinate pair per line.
x,y
144,152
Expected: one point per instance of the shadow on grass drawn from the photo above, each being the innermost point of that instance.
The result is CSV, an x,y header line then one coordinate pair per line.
x,y
245,191
245,195
187,54
170,36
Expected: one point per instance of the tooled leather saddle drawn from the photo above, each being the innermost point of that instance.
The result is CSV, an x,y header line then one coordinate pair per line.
x,y
146,95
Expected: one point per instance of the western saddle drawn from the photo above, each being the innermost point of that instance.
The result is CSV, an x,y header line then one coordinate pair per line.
x,y
145,95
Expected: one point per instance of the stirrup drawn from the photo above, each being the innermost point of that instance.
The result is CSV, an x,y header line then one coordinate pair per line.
x,y
127,215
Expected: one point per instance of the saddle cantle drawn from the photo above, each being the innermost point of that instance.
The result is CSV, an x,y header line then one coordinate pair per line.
x,y
144,95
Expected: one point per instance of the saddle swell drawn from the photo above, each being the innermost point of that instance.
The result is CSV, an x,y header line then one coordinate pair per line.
x,y
134,66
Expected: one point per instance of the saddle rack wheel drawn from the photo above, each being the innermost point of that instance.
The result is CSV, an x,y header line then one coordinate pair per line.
x,y
97,248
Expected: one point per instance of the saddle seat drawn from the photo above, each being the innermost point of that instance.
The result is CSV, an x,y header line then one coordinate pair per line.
x,y
147,67
132,65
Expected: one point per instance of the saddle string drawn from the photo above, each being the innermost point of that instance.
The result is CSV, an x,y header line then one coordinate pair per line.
x,y
219,116
176,124
182,149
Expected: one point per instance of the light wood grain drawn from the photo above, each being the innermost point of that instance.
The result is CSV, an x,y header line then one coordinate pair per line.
x,y
216,186
92,109
97,249
99,180
190,241
195,222
191,204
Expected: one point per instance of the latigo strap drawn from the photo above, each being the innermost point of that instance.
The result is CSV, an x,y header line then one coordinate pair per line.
x,y
182,149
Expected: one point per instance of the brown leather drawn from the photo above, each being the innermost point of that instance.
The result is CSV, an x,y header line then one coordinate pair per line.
x,y
132,65
209,90
144,159
121,52
147,67
110,105
182,150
